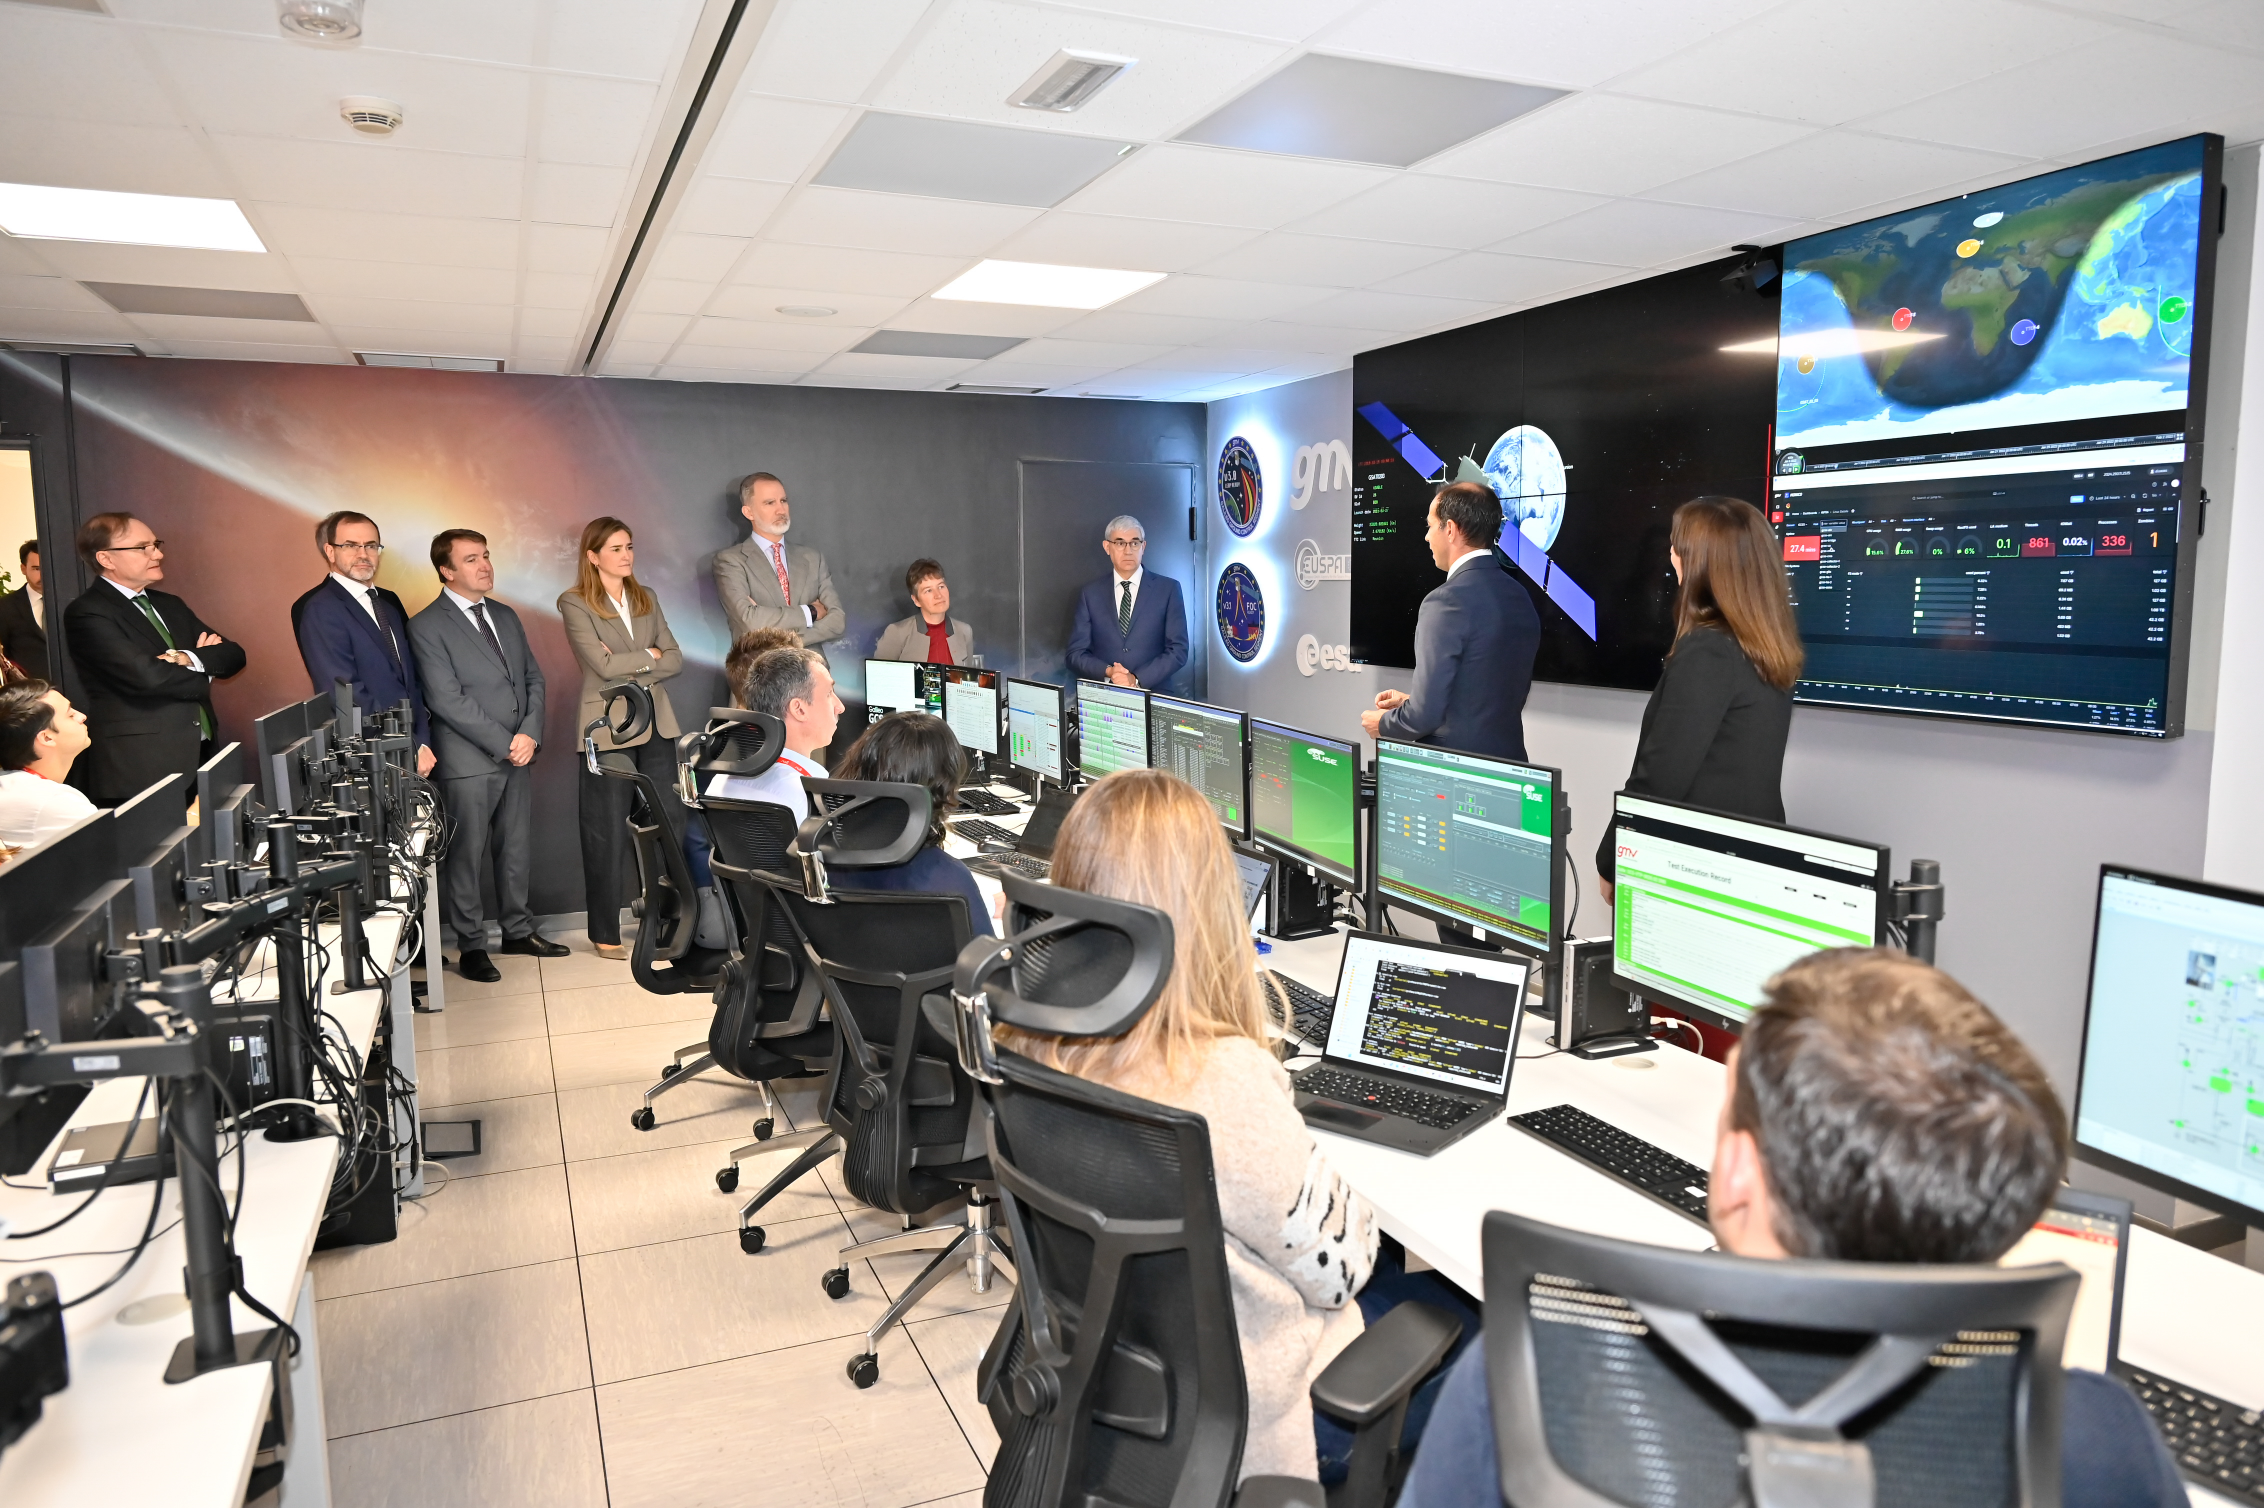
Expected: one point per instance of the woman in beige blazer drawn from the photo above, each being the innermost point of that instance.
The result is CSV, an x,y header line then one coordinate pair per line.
x,y
619,634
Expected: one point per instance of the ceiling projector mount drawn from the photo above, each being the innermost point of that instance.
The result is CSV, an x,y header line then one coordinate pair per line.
x,y
320,20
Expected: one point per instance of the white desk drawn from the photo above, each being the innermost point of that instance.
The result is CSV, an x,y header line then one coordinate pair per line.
x,y
120,1433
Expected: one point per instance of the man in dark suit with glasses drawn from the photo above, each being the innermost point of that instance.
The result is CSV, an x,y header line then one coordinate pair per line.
x,y
351,629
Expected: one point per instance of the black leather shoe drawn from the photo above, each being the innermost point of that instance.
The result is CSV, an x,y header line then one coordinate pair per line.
x,y
475,965
536,945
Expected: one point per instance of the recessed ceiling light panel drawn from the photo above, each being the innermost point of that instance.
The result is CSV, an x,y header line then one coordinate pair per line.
x,y
1068,79
1045,285
203,303
37,211
956,159
935,343
1358,110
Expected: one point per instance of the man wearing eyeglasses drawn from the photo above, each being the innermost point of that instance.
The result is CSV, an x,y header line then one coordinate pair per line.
x,y
1131,627
349,628
148,663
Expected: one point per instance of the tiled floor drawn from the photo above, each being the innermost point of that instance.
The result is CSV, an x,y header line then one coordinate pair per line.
x,y
569,1321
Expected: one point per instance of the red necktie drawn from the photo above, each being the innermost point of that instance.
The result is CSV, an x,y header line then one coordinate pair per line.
x,y
778,560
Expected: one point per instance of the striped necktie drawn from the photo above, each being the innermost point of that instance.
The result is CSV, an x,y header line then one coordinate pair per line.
x,y
1124,613
204,718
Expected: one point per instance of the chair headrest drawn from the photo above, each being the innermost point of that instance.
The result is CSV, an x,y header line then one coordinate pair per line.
x,y
1071,964
734,742
626,716
867,824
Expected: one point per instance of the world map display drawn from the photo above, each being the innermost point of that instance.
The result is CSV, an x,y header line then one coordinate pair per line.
x,y
2071,295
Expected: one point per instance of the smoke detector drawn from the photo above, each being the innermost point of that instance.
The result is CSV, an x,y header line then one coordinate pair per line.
x,y
320,20
1069,78
370,115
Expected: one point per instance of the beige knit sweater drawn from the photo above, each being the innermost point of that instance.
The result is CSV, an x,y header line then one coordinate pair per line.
x,y
1299,1242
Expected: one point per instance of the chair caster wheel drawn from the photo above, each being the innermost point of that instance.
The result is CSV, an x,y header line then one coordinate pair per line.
x,y
836,1285
727,1179
642,1118
764,1128
669,1071
750,1239
864,1370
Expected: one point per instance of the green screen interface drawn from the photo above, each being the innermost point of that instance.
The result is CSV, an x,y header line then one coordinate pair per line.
x,y
1303,797
1468,837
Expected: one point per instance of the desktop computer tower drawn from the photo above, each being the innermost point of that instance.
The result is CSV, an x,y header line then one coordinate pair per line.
x,y
1595,1018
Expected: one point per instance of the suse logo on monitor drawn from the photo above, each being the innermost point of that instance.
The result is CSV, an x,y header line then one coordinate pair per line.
x,y
1321,756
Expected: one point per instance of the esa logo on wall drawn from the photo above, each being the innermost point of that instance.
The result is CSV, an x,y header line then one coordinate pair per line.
x,y
1241,491
1313,655
1241,613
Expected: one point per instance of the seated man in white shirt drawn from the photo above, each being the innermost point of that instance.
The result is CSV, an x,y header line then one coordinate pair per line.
x,y
794,686
41,733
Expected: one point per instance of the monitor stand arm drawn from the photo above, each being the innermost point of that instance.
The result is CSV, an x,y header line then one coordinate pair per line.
x,y
1917,907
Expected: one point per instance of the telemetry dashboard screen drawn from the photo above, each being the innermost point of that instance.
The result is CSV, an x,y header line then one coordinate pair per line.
x,y
1112,728
1204,746
1468,838
1033,727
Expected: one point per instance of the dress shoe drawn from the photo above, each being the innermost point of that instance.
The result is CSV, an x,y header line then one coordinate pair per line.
x,y
535,945
614,951
475,965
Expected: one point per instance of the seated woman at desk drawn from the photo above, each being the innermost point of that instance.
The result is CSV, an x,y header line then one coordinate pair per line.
x,y
914,748
1302,1247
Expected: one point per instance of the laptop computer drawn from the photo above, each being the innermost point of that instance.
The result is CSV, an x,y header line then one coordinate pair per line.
x,y
1256,874
1033,845
1420,1045
2090,1233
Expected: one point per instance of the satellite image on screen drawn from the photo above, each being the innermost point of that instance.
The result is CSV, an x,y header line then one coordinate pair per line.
x,y
2066,296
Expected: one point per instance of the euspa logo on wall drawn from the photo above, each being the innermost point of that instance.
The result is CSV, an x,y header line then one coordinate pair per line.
x,y
1319,468
1313,655
1241,491
1241,613
1313,567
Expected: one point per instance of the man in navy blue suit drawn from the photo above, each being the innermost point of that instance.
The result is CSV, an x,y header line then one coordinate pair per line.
x,y
351,629
1131,627
1475,639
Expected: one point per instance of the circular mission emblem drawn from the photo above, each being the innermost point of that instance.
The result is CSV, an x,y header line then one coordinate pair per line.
x,y
1241,493
1241,613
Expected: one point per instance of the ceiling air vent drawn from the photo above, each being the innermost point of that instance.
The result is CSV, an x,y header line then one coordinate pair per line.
x,y
370,115
70,348
320,20
441,363
1003,392
1068,79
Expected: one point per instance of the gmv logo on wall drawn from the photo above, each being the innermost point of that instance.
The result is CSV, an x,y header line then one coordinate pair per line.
x,y
1319,468
1241,613
1241,490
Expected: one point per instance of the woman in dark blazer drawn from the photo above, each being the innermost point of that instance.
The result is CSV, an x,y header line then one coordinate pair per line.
x,y
619,634
1714,732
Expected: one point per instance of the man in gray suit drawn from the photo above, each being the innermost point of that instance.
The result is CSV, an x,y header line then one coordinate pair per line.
x,y
484,692
767,583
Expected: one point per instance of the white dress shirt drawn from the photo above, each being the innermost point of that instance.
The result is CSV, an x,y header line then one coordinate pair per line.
x,y
195,663
361,592
1116,590
34,808
781,784
38,608
1464,559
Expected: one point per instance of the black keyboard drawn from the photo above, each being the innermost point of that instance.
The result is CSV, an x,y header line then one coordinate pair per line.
x,y
2218,1444
1310,1011
979,831
1011,863
1678,1185
1420,1106
975,799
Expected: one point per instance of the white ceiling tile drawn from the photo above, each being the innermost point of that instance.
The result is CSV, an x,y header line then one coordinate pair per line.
x,y
1118,241
464,285
617,368
61,66
273,332
1451,212
657,327
956,317
1642,233
846,270
830,49
677,371
2239,22
727,206
909,368
1542,42
1215,187
1008,373
1499,279
18,291
1832,172
1821,61
749,358
97,263
407,314
771,140
1091,355
539,366
597,121
1301,367
886,222
560,324
1221,298
1298,336
554,290
106,155
635,353
459,241
978,52
699,259
1399,312
1143,329
1606,144
525,345
371,176
764,335
566,193
411,341
1284,20
657,295
23,257
859,310
497,31
249,17
224,350
825,378
565,248
587,36
1325,261
64,324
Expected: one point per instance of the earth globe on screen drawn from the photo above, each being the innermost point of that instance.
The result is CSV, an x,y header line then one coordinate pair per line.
x,y
1526,472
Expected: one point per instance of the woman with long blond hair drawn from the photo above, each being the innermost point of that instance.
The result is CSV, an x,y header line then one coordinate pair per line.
x,y
1715,729
1300,1242
619,634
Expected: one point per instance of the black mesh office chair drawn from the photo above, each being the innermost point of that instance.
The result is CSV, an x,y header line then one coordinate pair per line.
x,y
1626,1374
666,958
895,1097
1116,1375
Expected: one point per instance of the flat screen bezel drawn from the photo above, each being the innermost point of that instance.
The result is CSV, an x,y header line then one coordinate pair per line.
x,y
1282,847
1545,950
1243,830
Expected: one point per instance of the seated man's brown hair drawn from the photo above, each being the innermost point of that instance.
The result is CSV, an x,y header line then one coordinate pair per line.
x,y
748,648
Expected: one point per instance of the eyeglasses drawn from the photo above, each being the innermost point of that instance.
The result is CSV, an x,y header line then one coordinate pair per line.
x,y
357,547
155,544
1125,544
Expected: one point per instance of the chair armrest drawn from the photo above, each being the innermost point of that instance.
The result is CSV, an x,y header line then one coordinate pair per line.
x,y
1375,1373
1280,1492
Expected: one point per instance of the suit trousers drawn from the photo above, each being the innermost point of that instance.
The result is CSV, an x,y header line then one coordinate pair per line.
x,y
493,814
606,805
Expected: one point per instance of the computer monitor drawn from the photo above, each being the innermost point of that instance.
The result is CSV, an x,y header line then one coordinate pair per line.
x,y
222,821
43,882
219,775
970,706
1033,728
277,731
1305,799
283,776
153,844
64,989
901,686
1112,728
1474,840
1706,907
2169,1092
1209,748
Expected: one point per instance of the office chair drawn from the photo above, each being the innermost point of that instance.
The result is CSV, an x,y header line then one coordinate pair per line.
x,y
895,1098
1116,1375
666,958
1626,1374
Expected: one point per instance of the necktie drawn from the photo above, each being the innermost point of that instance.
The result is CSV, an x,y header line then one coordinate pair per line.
x,y
204,718
1124,613
778,561
377,611
479,614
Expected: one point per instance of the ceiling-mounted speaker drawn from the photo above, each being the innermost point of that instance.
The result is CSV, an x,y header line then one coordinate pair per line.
x,y
370,115
320,20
